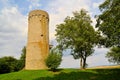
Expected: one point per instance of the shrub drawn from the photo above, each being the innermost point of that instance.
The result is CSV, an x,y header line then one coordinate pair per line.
x,y
4,67
7,64
53,60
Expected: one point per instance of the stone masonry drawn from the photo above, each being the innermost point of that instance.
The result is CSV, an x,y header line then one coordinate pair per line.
x,y
38,40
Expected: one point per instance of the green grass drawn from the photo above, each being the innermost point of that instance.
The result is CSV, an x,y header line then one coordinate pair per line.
x,y
64,74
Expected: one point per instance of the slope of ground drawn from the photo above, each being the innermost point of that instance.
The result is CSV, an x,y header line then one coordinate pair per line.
x,y
64,74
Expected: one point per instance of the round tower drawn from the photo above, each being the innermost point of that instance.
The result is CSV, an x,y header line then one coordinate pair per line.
x,y
38,40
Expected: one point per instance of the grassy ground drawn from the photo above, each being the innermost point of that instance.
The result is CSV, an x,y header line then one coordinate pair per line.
x,y
64,74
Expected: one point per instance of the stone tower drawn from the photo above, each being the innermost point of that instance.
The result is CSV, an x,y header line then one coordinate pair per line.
x,y
38,40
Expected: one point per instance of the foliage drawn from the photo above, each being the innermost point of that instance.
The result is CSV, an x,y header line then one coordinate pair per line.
x,y
7,64
77,34
22,58
114,55
109,22
53,60
4,67
21,62
64,74
11,64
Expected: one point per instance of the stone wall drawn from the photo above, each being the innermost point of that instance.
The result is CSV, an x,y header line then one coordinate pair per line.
x,y
38,40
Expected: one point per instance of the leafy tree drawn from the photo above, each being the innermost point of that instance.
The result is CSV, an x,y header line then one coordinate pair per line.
x,y
22,58
21,62
53,60
109,22
7,64
4,67
77,34
114,55
11,64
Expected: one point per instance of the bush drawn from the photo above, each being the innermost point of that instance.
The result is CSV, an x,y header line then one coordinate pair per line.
x,y
8,64
11,64
53,60
4,67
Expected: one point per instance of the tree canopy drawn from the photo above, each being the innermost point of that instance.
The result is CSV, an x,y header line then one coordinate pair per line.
x,y
77,34
11,64
114,55
8,64
108,22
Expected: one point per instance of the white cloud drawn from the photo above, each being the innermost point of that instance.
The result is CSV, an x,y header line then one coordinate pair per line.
x,y
96,4
69,62
60,9
34,4
13,31
11,18
52,36
4,2
98,58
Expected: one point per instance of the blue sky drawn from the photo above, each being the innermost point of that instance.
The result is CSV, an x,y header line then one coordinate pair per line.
x,y
13,25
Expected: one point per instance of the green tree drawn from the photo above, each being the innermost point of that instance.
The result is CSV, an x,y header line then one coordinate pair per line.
x,y
53,60
4,67
21,62
8,64
108,22
77,34
23,57
11,64
114,55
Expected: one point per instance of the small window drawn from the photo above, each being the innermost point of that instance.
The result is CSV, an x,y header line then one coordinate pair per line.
x,y
41,35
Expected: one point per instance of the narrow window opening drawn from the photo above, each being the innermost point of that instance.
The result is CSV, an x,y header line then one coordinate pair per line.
x,y
41,35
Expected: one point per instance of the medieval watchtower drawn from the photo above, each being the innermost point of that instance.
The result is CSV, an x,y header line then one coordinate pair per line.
x,y
38,40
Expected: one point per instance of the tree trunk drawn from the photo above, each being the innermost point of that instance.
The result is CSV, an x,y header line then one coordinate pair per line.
x,y
84,63
81,63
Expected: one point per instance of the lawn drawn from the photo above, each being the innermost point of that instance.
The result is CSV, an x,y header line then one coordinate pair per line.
x,y
64,74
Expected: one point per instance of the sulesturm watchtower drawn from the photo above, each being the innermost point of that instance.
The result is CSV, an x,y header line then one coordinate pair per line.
x,y
38,40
